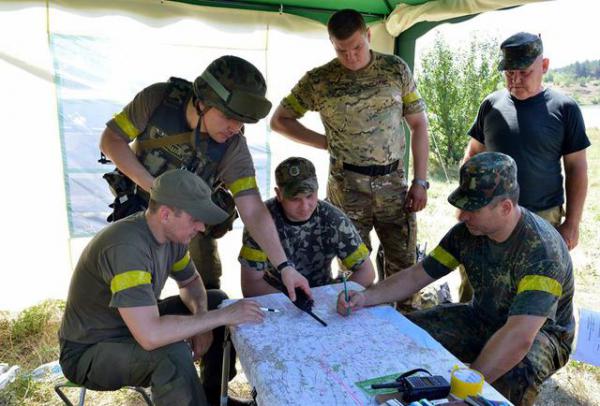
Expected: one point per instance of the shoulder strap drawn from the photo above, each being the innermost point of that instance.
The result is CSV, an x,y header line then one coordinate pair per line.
x,y
155,143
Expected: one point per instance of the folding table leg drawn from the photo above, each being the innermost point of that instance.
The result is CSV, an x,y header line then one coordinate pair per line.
x,y
225,374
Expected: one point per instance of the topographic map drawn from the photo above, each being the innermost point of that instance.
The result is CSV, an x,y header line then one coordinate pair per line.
x,y
291,359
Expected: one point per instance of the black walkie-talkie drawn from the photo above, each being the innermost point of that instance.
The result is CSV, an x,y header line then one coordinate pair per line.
x,y
304,303
418,387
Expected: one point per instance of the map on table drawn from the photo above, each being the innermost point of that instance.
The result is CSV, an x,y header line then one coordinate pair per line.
x,y
291,359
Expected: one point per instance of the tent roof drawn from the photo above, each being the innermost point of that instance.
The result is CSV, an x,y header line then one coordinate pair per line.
x,y
372,10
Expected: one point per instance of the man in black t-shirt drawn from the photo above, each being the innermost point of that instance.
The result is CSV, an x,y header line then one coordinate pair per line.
x,y
537,127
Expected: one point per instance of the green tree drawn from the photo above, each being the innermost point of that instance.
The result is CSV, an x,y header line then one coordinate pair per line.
x,y
453,83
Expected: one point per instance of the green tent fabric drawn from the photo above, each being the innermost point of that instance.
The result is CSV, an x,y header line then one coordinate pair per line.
x,y
407,20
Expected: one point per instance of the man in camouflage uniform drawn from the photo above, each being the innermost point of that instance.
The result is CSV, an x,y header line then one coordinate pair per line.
x,y
199,126
117,332
519,328
538,128
312,233
364,98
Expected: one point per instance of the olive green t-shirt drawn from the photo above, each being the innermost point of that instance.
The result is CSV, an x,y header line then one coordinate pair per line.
x,y
235,169
122,266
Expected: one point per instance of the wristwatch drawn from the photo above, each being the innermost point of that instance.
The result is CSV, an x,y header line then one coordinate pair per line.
x,y
421,182
284,264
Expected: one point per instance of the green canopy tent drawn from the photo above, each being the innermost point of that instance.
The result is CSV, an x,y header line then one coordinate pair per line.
x,y
406,20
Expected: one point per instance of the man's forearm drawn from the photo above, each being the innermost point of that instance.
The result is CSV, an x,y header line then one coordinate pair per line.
x,y
499,355
258,221
153,331
289,126
364,275
118,151
399,286
576,184
420,151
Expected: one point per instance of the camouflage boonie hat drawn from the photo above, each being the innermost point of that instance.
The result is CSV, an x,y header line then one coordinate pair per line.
x,y
296,175
483,177
519,51
234,86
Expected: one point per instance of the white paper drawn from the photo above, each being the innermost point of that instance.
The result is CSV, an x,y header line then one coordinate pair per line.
x,y
588,338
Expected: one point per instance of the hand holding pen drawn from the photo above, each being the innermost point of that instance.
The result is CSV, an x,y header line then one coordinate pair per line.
x,y
355,301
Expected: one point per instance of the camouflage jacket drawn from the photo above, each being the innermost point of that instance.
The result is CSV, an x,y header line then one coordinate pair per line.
x,y
528,274
310,245
363,111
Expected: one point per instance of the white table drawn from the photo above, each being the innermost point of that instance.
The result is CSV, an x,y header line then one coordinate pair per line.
x,y
291,359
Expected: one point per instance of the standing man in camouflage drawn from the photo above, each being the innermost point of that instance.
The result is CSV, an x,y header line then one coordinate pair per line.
x,y
198,126
312,232
364,98
519,328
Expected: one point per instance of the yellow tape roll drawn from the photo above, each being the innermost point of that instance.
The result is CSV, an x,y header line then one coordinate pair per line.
x,y
465,382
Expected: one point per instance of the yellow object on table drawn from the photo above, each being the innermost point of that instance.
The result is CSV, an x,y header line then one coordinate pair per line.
x,y
465,382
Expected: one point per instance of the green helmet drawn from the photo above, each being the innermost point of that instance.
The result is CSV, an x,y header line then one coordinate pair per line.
x,y
235,87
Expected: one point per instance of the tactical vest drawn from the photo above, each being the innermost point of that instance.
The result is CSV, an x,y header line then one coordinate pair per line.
x,y
168,143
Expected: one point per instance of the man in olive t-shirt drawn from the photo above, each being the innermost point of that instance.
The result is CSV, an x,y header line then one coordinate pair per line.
x,y
116,332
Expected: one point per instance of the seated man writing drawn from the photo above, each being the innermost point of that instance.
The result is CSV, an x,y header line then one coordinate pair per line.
x,y
116,332
312,233
519,328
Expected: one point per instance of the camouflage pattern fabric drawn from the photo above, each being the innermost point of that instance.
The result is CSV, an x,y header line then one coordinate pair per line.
x,y
296,175
553,216
483,177
310,245
235,87
377,201
520,50
528,274
363,112
462,330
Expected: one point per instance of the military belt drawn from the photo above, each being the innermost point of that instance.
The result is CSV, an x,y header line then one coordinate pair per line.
x,y
370,170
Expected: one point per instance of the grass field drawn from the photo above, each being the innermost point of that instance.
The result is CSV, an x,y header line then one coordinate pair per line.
x,y
30,339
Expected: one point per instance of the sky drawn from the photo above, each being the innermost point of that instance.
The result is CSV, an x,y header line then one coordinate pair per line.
x,y
570,29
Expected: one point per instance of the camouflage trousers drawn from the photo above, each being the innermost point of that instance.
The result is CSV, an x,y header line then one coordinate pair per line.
x,y
377,202
205,254
553,215
461,330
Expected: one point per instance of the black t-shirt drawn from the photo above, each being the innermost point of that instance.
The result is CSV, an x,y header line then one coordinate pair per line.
x,y
536,132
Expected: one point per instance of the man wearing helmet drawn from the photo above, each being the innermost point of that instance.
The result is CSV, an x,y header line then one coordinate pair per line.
x,y
199,126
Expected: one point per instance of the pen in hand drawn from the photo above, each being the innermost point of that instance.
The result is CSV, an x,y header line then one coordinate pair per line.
x,y
344,277
268,309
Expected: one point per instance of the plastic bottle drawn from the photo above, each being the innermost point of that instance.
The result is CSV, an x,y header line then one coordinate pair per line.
x,y
8,376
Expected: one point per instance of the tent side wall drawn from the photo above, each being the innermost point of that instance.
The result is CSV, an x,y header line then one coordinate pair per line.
x,y
36,242
92,54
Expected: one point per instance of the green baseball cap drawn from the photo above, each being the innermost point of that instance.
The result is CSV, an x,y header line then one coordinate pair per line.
x,y
520,50
184,190
296,175
483,177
